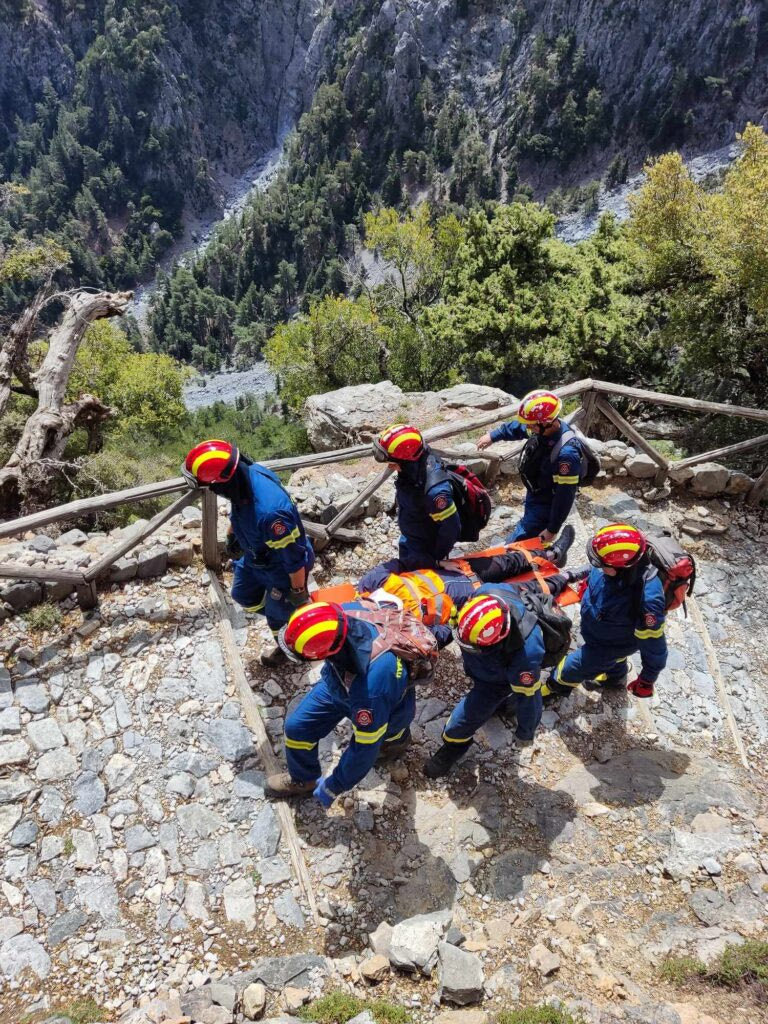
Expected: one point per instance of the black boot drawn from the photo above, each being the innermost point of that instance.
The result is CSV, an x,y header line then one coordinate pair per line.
x,y
617,683
445,758
557,551
552,691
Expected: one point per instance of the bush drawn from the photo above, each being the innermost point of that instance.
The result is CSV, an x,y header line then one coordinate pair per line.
x,y
538,1015
340,1007
43,617
745,964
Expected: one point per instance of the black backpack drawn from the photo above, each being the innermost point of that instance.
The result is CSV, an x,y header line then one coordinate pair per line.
x,y
540,610
535,452
473,502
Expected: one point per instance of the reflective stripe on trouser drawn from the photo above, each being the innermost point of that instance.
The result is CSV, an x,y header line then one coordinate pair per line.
x,y
319,713
535,519
482,702
590,662
250,590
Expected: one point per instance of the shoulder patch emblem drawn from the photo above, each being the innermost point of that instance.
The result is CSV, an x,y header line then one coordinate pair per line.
x,y
364,717
441,502
565,469
527,679
650,619
278,528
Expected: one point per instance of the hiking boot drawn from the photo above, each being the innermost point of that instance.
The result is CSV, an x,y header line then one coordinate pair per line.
x,y
273,657
283,785
552,691
577,575
617,683
394,749
557,552
444,759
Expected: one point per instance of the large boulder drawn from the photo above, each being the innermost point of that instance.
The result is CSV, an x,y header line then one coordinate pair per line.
x,y
356,414
709,478
351,415
474,396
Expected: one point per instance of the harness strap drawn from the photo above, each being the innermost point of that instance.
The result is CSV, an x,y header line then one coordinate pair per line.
x,y
533,561
465,567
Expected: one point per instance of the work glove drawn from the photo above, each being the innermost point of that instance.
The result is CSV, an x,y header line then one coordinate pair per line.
x,y
233,546
323,794
298,596
640,687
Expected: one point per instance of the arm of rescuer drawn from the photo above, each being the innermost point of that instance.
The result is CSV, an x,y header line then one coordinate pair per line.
x,y
651,638
441,509
512,431
287,546
565,478
370,720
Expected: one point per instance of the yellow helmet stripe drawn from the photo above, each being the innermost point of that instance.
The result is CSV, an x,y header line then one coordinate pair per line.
x,y
205,457
612,528
411,435
608,549
312,631
485,620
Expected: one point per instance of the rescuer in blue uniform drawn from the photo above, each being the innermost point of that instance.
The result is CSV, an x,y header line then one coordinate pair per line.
x,y
502,647
550,466
376,695
622,612
270,576
426,511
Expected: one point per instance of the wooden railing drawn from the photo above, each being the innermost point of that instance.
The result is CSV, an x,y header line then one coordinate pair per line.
x,y
594,404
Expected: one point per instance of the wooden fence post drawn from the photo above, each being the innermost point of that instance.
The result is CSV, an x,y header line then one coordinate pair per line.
x,y
588,405
211,555
759,487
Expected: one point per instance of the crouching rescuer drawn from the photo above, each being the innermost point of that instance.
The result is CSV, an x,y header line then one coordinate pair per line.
x,y
273,556
361,680
623,611
506,634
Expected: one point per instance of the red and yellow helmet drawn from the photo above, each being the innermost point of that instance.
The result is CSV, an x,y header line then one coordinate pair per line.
x,y
212,462
399,443
539,407
483,621
315,631
617,546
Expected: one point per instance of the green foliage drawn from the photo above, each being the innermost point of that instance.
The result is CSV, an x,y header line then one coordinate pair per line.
x,y
339,1007
538,1015
736,966
84,1011
43,617
145,389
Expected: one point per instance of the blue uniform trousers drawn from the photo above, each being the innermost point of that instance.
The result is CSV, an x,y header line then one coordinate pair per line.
x,y
535,519
254,593
482,702
319,713
604,664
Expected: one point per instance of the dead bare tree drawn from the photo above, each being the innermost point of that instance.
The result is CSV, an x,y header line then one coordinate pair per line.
x,y
27,478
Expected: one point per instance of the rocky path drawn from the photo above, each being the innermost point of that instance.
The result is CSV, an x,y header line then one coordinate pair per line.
x,y
138,854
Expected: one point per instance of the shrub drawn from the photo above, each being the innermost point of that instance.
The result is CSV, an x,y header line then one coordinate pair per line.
x,y
43,617
339,1007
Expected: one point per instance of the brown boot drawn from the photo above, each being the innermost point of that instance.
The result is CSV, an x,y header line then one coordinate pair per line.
x,y
282,785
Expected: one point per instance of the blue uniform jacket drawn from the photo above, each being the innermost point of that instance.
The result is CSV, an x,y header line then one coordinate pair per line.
x,y
373,691
616,617
270,531
428,518
558,480
520,669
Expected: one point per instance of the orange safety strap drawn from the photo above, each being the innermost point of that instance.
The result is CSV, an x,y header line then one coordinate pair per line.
x,y
534,560
464,566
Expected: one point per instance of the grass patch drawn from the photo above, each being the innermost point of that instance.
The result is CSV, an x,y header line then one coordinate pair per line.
x,y
339,1007
84,1011
737,966
538,1015
69,846
43,617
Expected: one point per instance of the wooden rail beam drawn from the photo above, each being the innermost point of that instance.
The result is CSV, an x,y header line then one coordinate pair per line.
x,y
98,568
680,402
252,714
719,453
629,431
17,571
